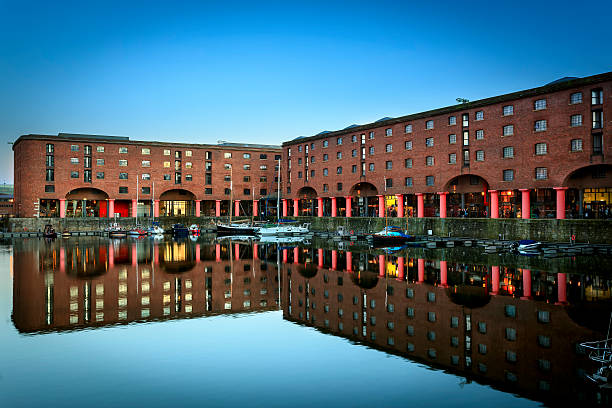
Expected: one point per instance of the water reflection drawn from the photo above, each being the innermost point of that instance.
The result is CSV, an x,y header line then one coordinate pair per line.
x,y
516,328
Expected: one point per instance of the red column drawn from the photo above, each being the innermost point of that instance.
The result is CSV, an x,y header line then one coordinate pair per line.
x,y
284,207
494,204
255,208
62,208
62,264
237,208
156,208
237,252
255,251
111,207
296,207
348,206
197,254
349,261
443,195
494,280
217,208
156,254
134,255
319,206
334,209
334,260
284,256
443,274
421,270
560,202
381,205
134,207
561,289
218,252
400,268
381,266
320,256
526,284
197,209
420,205
525,204
296,255
400,205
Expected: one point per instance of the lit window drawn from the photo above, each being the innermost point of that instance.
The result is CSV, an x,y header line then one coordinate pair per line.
x,y
166,152
166,164
508,110
263,167
539,104
227,155
188,153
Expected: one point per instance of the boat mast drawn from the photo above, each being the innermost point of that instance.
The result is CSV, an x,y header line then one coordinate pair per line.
x,y
136,201
278,193
153,204
231,194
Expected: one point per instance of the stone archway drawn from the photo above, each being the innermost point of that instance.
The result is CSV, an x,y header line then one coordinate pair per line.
x,y
365,202
468,196
589,191
307,197
86,202
177,202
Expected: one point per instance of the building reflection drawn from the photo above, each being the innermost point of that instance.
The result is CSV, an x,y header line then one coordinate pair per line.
x,y
515,329
65,285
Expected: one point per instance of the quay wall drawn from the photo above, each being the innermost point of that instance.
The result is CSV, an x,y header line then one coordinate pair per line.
x,y
593,231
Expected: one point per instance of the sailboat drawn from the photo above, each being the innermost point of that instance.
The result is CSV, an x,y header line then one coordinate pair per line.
x,y
137,231
235,228
283,226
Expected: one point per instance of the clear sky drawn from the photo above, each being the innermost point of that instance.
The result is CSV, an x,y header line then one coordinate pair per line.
x,y
267,72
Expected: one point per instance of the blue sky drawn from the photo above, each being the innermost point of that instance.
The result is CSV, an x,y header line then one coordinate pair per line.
x,y
266,72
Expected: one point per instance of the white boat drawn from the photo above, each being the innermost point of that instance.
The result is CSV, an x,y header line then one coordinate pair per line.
x,y
194,229
274,239
284,229
526,245
155,230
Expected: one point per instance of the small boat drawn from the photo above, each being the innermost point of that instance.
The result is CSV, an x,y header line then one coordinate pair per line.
x,y
236,229
137,232
118,233
526,245
390,236
284,227
179,230
601,352
194,229
66,234
155,230
49,232
274,239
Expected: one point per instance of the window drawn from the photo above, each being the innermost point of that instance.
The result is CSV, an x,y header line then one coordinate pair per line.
x,y
371,167
339,188
408,163
353,154
389,132
479,134
371,150
188,153
543,316
576,145
87,150
166,164
598,144
227,166
123,163
429,161
123,176
541,149
100,175
74,148
353,168
325,187
431,316
146,150
145,190
246,166
452,158
325,143
508,130
50,161
429,124
508,175
511,356
429,142
50,175
177,178
146,163
508,152
74,174
299,174
479,155
354,138
227,155
388,165
388,183
510,311
325,172
123,190
540,104
388,148
263,167
452,139
50,188
100,162
123,150
508,110
479,115
596,96
208,191
100,149
74,160
166,177
544,365
339,170
452,120
339,141
50,148
146,176
597,119
429,180
246,155
408,181
465,120
247,191
539,125
454,322
408,145
544,341
87,162
576,120
338,155
510,334
466,157
371,135
299,148
408,129
466,137
576,97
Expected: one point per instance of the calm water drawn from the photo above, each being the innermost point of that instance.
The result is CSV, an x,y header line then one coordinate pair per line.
x,y
98,322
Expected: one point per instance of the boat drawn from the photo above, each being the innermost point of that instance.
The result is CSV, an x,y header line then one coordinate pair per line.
x,y
49,232
237,229
194,229
137,232
155,229
66,234
274,239
179,230
390,236
600,351
284,227
526,245
117,233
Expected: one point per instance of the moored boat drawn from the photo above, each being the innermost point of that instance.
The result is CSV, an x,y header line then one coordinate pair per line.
x,y
179,230
390,235
137,232
49,232
526,245
66,234
236,229
284,228
194,229
117,233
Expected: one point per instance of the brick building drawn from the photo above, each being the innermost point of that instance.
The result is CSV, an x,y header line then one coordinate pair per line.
x,y
541,152
88,175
